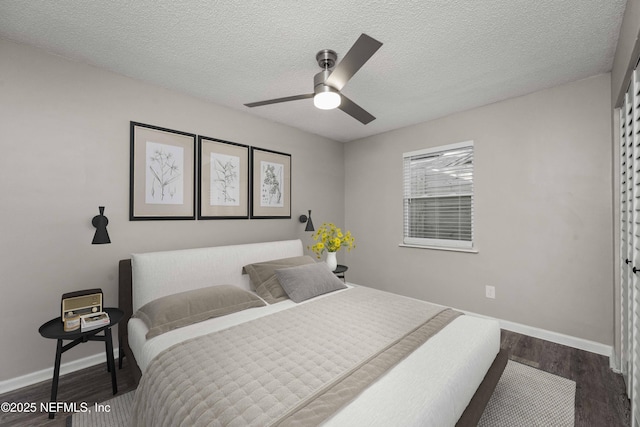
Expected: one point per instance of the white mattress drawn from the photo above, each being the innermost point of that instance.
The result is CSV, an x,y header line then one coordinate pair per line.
x,y
410,394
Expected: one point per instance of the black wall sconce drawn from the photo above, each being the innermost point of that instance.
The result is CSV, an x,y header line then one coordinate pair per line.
x,y
307,219
100,223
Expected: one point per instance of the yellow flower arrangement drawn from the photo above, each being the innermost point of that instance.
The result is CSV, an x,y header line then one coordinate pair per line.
x,y
331,238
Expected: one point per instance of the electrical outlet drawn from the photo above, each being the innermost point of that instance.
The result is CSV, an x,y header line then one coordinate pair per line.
x,y
490,292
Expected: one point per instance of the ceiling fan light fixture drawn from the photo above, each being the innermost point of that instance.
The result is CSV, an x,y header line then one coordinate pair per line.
x,y
326,98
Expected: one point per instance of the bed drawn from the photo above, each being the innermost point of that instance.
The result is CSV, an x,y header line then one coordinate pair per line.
x,y
334,355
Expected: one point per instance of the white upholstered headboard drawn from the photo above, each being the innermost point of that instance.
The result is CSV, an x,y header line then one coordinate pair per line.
x,y
158,274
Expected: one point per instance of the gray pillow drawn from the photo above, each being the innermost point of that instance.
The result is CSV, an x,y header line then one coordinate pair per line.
x,y
308,281
184,308
263,277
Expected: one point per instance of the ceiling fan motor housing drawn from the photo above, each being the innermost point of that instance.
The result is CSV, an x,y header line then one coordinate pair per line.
x,y
320,78
326,58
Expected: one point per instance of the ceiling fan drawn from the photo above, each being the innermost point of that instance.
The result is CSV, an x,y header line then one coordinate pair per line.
x,y
328,83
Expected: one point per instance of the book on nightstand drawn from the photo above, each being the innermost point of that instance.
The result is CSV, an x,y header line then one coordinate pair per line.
x,y
93,321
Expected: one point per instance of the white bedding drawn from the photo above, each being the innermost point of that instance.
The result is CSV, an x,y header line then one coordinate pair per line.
x,y
410,394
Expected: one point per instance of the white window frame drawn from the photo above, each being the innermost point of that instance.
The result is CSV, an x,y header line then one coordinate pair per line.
x,y
432,243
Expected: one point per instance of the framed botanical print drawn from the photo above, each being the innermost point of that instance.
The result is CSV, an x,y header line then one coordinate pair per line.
x,y
162,175
270,184
223,177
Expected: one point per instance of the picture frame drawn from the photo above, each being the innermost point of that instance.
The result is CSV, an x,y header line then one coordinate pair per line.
x,y
223,177
162,174
270,184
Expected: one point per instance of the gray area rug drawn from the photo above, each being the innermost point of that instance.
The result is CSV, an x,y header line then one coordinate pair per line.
x,y
527,396
118,415
524,396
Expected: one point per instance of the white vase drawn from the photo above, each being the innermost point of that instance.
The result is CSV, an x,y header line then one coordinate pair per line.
x,y
332,260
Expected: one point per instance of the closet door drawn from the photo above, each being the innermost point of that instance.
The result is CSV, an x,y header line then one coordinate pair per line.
x,y
630,243
626,239
633,139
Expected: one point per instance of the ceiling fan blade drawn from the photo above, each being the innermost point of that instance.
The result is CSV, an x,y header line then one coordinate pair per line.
x,y
278,100
355,111
360,52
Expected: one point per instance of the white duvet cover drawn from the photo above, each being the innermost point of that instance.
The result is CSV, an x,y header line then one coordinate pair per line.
x,y
413,393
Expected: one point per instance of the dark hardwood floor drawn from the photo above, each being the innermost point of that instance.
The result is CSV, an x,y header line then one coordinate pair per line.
x,y
601,400
91,385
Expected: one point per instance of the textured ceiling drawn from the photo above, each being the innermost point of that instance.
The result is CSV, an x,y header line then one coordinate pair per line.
x,y
438,57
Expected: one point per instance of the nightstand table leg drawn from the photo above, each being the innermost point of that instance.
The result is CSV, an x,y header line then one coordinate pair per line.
x,y
56,376
120,353
110,362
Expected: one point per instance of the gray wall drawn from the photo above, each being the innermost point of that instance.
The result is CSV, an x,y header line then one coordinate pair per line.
x,y
65,151
542,212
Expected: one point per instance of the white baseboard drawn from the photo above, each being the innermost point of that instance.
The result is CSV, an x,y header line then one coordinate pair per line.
x,y
556,337
47,374
614,362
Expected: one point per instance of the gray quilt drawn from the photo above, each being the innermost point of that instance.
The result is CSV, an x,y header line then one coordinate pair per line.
x,y
295,367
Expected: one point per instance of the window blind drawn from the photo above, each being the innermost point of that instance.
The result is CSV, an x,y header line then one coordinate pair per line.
x,y
438,196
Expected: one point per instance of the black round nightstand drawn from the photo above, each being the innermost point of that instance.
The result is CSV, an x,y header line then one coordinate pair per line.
x,y
54,329
340,270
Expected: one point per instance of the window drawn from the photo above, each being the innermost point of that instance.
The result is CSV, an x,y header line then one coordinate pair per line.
x,y
438,196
